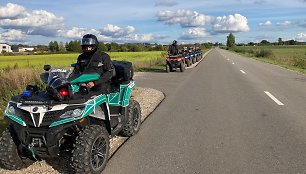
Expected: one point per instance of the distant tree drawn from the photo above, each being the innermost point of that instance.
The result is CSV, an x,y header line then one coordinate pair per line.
x,y
292,42
264,42
61,47
123,48
74,46
206,45
158,48
280,41
56,46
51,46
114,47
66,46
41,48
230,41
251,43
102,46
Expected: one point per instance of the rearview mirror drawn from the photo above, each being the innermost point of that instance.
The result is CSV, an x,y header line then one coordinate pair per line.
x,y
47,67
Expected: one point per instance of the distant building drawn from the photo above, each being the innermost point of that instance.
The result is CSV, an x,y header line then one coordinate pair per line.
x,y
5,48
25,49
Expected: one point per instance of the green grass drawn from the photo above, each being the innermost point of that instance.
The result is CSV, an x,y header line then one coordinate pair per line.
x,y
290,57
64,60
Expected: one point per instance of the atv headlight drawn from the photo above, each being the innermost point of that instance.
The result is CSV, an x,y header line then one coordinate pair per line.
x,y
11,110
72,113
77,112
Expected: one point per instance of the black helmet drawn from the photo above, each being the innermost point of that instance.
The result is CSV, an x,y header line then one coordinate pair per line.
x,y
89,40
174,42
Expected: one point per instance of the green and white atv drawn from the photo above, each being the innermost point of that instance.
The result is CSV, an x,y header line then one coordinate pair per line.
x,y
66,117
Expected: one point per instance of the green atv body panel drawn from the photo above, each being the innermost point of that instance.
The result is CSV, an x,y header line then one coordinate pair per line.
x,y
120,98
83,79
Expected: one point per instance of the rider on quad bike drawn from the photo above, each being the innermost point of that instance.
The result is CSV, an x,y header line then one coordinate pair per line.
x,y
92,60
173,50
174,59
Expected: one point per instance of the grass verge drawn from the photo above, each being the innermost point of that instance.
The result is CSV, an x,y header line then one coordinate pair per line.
x,y
290,57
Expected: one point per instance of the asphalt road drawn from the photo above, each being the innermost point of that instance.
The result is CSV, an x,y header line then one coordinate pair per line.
x,y
227,115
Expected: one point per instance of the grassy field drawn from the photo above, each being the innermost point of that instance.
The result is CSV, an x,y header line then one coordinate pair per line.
x,y
64,60
291,57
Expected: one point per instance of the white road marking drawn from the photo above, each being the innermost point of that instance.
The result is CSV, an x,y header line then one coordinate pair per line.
x,y
242,71
274,98
233,63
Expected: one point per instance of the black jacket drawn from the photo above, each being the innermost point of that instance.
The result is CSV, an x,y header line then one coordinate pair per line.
x,y
173,50
96,62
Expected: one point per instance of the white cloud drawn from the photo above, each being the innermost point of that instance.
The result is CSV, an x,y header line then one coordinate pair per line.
x,y
143,37
193,33
185,18
77,33
284,23
231,23
12,36
110,33
301,36
116,32
193,19
36,22
267,23
11,11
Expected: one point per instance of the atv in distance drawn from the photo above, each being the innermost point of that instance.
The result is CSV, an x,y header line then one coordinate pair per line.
x,y
198,54
187,57
174,62
68,117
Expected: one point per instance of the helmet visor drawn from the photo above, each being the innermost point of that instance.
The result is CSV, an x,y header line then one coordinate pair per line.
x,y
88,41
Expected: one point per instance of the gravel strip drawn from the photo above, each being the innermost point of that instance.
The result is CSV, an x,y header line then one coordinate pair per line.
x,y
148,98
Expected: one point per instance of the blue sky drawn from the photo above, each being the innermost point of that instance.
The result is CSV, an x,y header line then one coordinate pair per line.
x,y
155,21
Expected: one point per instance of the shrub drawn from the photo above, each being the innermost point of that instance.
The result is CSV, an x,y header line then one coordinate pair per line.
x,y
299,62
14,81
240,50
251,51
264,53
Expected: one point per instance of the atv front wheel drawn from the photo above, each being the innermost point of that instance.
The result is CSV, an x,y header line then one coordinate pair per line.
x,y
193,60
182,67
9,155
91,150
188,63
134,120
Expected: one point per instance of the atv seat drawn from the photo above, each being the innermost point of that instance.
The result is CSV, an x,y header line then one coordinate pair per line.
x,y
124,74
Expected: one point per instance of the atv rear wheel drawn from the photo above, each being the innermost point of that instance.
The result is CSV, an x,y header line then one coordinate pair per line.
x,y
182,67
167,68
134,120
9,155
91,150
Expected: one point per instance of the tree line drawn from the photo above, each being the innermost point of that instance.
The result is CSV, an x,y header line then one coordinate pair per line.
x,y
230,42
74,46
